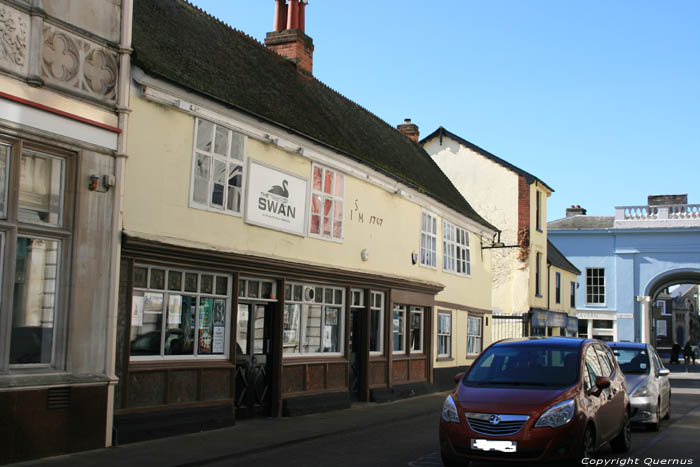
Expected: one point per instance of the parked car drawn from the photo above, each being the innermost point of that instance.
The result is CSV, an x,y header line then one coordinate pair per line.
x,y
536,399
647,382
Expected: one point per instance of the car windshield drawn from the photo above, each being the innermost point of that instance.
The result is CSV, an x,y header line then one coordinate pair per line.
x,y
525,365
632,360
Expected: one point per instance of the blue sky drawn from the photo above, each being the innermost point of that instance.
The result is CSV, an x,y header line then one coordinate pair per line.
x,y
599,99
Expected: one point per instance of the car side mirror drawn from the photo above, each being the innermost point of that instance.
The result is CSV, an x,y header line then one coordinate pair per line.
x,y
601,382
664,372
458,377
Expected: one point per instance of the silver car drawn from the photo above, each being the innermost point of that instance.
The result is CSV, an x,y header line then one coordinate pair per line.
x,y
647,382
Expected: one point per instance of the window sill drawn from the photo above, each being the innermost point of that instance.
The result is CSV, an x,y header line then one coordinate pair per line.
x,y
44,379
445,359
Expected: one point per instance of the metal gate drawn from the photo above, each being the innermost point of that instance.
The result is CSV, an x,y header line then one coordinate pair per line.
x,y
507,326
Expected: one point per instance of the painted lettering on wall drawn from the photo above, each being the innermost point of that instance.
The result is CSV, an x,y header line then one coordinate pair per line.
x,y
358,216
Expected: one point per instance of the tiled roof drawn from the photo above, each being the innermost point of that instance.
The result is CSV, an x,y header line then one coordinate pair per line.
x,y
180,43
557,259
582,222
440,132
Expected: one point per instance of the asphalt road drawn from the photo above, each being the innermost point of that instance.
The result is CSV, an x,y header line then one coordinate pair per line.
x,y
414,443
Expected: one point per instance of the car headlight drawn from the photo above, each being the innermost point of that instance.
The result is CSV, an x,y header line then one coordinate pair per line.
x,y
643,390
449,410
557,415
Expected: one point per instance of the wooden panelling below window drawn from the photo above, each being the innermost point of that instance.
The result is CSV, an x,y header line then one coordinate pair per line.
x,y
408,369
377,373
314,377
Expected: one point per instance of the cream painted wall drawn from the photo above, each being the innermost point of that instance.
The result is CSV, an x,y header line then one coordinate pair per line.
x,y
538,244
459,338
156,205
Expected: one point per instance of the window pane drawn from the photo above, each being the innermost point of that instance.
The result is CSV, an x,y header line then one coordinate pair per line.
x,y
339,183
375,330
157,279
174,280
259,329
190,282
41,189
317,178
205,131
331,329
266,290
416,331
201,179
207,285
4,164
311,315
140,275
233,200
221,141
398,330
179,337
242,330
206,326
237,145
328,182
221,285
253,289
35,296
146,323
290,333
217,188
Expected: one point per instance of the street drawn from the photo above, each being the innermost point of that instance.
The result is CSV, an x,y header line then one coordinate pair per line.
x,y
414,443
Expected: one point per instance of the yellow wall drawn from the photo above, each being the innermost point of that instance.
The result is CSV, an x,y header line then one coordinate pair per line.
x,y
459,355
566,279
157,197
538,244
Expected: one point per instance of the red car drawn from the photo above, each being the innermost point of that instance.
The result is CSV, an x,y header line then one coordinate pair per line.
x,y
536,399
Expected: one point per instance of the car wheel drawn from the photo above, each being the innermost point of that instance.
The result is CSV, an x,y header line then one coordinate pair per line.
x,y
668,411
588,443
448,461
657,424
623,441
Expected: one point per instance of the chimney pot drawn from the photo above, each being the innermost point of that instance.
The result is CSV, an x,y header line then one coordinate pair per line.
x,y
576,210
288,38
409,129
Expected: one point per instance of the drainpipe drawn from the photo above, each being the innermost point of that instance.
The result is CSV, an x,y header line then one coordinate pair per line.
x,y
118,194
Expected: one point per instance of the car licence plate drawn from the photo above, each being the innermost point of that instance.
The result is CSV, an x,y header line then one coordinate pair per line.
x,y
491,445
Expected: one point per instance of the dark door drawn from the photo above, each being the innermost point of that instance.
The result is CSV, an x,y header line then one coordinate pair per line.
x,y
355,353
253,360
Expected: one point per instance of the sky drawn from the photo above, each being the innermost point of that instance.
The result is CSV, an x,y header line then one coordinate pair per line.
x,y
598,99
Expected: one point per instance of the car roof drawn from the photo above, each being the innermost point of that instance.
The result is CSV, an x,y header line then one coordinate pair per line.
x,y
627,345
572,342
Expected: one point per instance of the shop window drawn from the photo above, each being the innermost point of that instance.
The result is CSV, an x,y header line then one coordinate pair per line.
x,y
417,314
217,168
473,335
327,194
595,286
444,335
313,319
455,250
399,329
557,287
188,318
428,240
37,238
376,323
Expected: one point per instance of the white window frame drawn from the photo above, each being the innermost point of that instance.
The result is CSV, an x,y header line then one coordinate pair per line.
x,y
428,236
456,253
379,308
601,288
447,336
166,292
479,336
418,310
322,303
401,310
333,198
213,157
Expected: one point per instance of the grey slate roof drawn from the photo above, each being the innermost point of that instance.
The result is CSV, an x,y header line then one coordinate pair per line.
x,y
175,41
582,222
440,132
557,259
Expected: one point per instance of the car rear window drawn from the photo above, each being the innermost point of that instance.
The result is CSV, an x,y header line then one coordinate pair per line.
x,y
632,360
525,365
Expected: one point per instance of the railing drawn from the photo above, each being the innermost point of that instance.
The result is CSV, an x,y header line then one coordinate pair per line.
x,y
673,213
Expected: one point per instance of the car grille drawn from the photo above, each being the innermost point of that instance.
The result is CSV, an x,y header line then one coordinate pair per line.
x,y
506,424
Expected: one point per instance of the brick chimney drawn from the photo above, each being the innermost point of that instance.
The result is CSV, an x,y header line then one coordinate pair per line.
x,y
575,211
409,129
288,38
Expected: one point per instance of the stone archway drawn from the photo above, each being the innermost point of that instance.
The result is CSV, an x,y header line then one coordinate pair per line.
x,y
652,290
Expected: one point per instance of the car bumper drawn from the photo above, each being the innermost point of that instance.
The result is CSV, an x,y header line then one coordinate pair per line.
x,y
643,410
533,444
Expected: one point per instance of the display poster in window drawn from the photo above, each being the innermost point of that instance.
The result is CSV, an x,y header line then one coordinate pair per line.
x,y
205,320
276,199
661,327
153,302
332,317
397,325
137,311
328,339
175,310
415,320
219,312
218,339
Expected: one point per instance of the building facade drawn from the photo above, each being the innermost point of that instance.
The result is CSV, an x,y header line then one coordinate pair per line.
x,y
523,275
279,254
627,262
62,139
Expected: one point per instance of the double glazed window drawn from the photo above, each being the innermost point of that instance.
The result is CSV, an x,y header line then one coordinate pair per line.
x,y
179,313
473,335
217,167
313,319
35,239
444,335
595,286
327,203
455,249
428,240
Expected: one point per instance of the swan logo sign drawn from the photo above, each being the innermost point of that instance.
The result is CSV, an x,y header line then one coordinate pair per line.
x,y
276,199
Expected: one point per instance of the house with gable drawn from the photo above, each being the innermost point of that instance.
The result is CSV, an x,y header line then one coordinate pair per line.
x,y
283,249
530,276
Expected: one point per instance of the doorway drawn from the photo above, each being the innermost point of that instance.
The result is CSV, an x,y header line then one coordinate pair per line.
x,y
253,360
